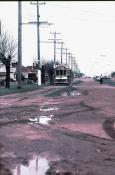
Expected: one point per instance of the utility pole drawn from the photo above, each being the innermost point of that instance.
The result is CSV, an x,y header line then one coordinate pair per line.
x,y
0,35
19,44
66,54
74,64
38,45
54,41
38,39
61,50
77,69
69,59
71,62
0,28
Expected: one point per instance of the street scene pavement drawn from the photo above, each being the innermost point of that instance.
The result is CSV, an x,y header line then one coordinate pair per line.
x,y
59,130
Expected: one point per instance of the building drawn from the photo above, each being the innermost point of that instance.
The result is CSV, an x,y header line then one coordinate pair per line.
x,y
26,71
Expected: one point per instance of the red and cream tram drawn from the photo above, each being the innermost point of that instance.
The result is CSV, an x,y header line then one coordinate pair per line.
x,y
62,74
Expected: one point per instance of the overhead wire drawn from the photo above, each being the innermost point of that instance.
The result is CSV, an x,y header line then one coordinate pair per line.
x,y
86,11
82,10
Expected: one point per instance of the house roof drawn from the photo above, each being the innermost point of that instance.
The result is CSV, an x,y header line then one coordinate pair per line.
x,y
28,69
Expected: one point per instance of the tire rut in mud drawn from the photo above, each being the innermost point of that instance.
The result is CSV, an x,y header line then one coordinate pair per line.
x,y
108,126
23,121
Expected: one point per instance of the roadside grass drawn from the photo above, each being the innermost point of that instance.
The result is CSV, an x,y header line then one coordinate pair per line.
x,y
14,89
31,87
109,82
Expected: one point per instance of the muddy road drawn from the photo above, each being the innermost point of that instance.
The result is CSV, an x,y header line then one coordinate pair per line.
x,y
59,130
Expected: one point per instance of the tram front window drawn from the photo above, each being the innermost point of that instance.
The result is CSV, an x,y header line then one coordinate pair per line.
x,y
57,72
61,72
64,72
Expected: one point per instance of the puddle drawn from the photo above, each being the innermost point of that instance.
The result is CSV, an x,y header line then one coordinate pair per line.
x,y
34,120
38,120
44,108
45,120
42,119
72,93
38,166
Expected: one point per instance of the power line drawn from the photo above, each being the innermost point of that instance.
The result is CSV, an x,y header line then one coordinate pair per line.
x,y
88,12
81,10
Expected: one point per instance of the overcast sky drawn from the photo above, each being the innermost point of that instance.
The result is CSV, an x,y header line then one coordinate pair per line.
x,y
86,27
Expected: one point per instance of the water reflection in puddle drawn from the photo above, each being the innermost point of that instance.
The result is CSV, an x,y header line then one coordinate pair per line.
x,y
43,108
45,120
42,119
38,166
71,93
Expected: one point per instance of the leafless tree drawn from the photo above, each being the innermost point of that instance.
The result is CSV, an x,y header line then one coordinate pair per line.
x,y
7,53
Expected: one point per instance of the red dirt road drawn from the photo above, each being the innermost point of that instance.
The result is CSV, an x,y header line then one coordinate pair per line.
x,y
80,136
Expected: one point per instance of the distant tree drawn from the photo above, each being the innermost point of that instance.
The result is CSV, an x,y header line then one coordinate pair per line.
x,y
47,68
7,54
81,74
113,74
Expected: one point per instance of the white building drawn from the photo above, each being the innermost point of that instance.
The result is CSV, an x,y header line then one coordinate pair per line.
x,y
3,72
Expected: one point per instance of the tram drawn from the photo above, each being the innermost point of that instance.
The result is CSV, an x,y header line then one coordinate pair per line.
x,y
62,74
